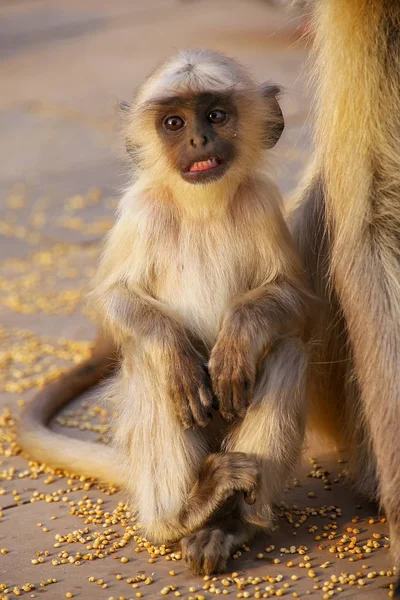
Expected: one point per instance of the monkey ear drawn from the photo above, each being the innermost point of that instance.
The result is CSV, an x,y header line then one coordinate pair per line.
x,y
124,106
275,123
124,109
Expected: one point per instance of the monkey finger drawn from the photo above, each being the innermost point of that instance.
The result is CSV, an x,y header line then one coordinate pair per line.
x,y
250,496
206,397
240,398
200,415
183,411
225,402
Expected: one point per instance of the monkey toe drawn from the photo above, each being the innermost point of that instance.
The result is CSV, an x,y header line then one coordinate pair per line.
x,y
206,551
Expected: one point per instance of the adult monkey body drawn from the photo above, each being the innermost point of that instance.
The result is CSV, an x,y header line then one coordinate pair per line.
x,y
199,268
348,230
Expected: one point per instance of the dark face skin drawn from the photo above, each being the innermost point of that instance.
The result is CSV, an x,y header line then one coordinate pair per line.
x,y
199,132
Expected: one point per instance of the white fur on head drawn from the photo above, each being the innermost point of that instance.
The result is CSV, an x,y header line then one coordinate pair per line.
x,y
196,70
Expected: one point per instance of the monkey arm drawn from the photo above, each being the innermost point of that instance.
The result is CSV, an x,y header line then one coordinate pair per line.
x,y
254,322
272,310
129,313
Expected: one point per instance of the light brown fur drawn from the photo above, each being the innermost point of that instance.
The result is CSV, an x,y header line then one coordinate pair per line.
x,y
197,274
348,230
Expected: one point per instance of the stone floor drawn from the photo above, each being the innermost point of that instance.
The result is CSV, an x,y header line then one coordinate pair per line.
x,y
63,66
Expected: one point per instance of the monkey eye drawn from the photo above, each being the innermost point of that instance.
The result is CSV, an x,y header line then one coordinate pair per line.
x,y
174,123
217,116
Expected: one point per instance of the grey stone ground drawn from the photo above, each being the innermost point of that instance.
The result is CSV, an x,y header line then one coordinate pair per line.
x,y
63,67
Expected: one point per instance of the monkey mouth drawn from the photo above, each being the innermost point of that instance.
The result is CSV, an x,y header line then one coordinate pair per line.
x,y
207,170
204,165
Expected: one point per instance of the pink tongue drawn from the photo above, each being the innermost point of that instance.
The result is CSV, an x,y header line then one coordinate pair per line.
x,y
201,167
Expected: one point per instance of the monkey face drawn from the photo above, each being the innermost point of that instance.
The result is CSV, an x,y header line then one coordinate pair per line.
x,y
199,133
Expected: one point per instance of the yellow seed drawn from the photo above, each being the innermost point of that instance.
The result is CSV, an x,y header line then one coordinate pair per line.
x,y
124,559
69,595
311,573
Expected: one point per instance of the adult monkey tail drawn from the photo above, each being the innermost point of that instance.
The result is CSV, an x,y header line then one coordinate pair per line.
x,y
357,174
60,451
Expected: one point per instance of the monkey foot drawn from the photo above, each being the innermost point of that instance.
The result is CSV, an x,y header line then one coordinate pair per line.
x,y
222,476
208,549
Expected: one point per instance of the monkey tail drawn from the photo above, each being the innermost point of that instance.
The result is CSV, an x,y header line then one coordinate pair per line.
x,y
60,451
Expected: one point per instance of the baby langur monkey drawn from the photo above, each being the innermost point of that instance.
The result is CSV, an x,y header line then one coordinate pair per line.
x,y
201,290
199,269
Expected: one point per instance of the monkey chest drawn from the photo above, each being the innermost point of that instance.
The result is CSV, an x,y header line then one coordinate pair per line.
x,y
200,288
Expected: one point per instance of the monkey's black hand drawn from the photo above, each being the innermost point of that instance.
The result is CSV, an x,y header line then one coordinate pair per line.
x,y
189,385
232,369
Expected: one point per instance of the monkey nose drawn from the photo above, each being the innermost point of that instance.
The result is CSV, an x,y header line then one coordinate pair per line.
x,y
198,141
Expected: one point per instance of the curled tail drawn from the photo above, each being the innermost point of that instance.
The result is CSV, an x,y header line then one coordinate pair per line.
x,y
60,451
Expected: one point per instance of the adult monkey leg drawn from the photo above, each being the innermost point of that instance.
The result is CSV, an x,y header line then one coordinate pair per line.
x,y
358,160
334,397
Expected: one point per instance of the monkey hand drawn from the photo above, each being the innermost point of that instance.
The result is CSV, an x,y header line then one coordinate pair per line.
x,y
188,384
232,368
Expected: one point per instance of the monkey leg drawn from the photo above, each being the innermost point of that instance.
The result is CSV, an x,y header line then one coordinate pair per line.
x,y
161,459
271,434
173,485
273,428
